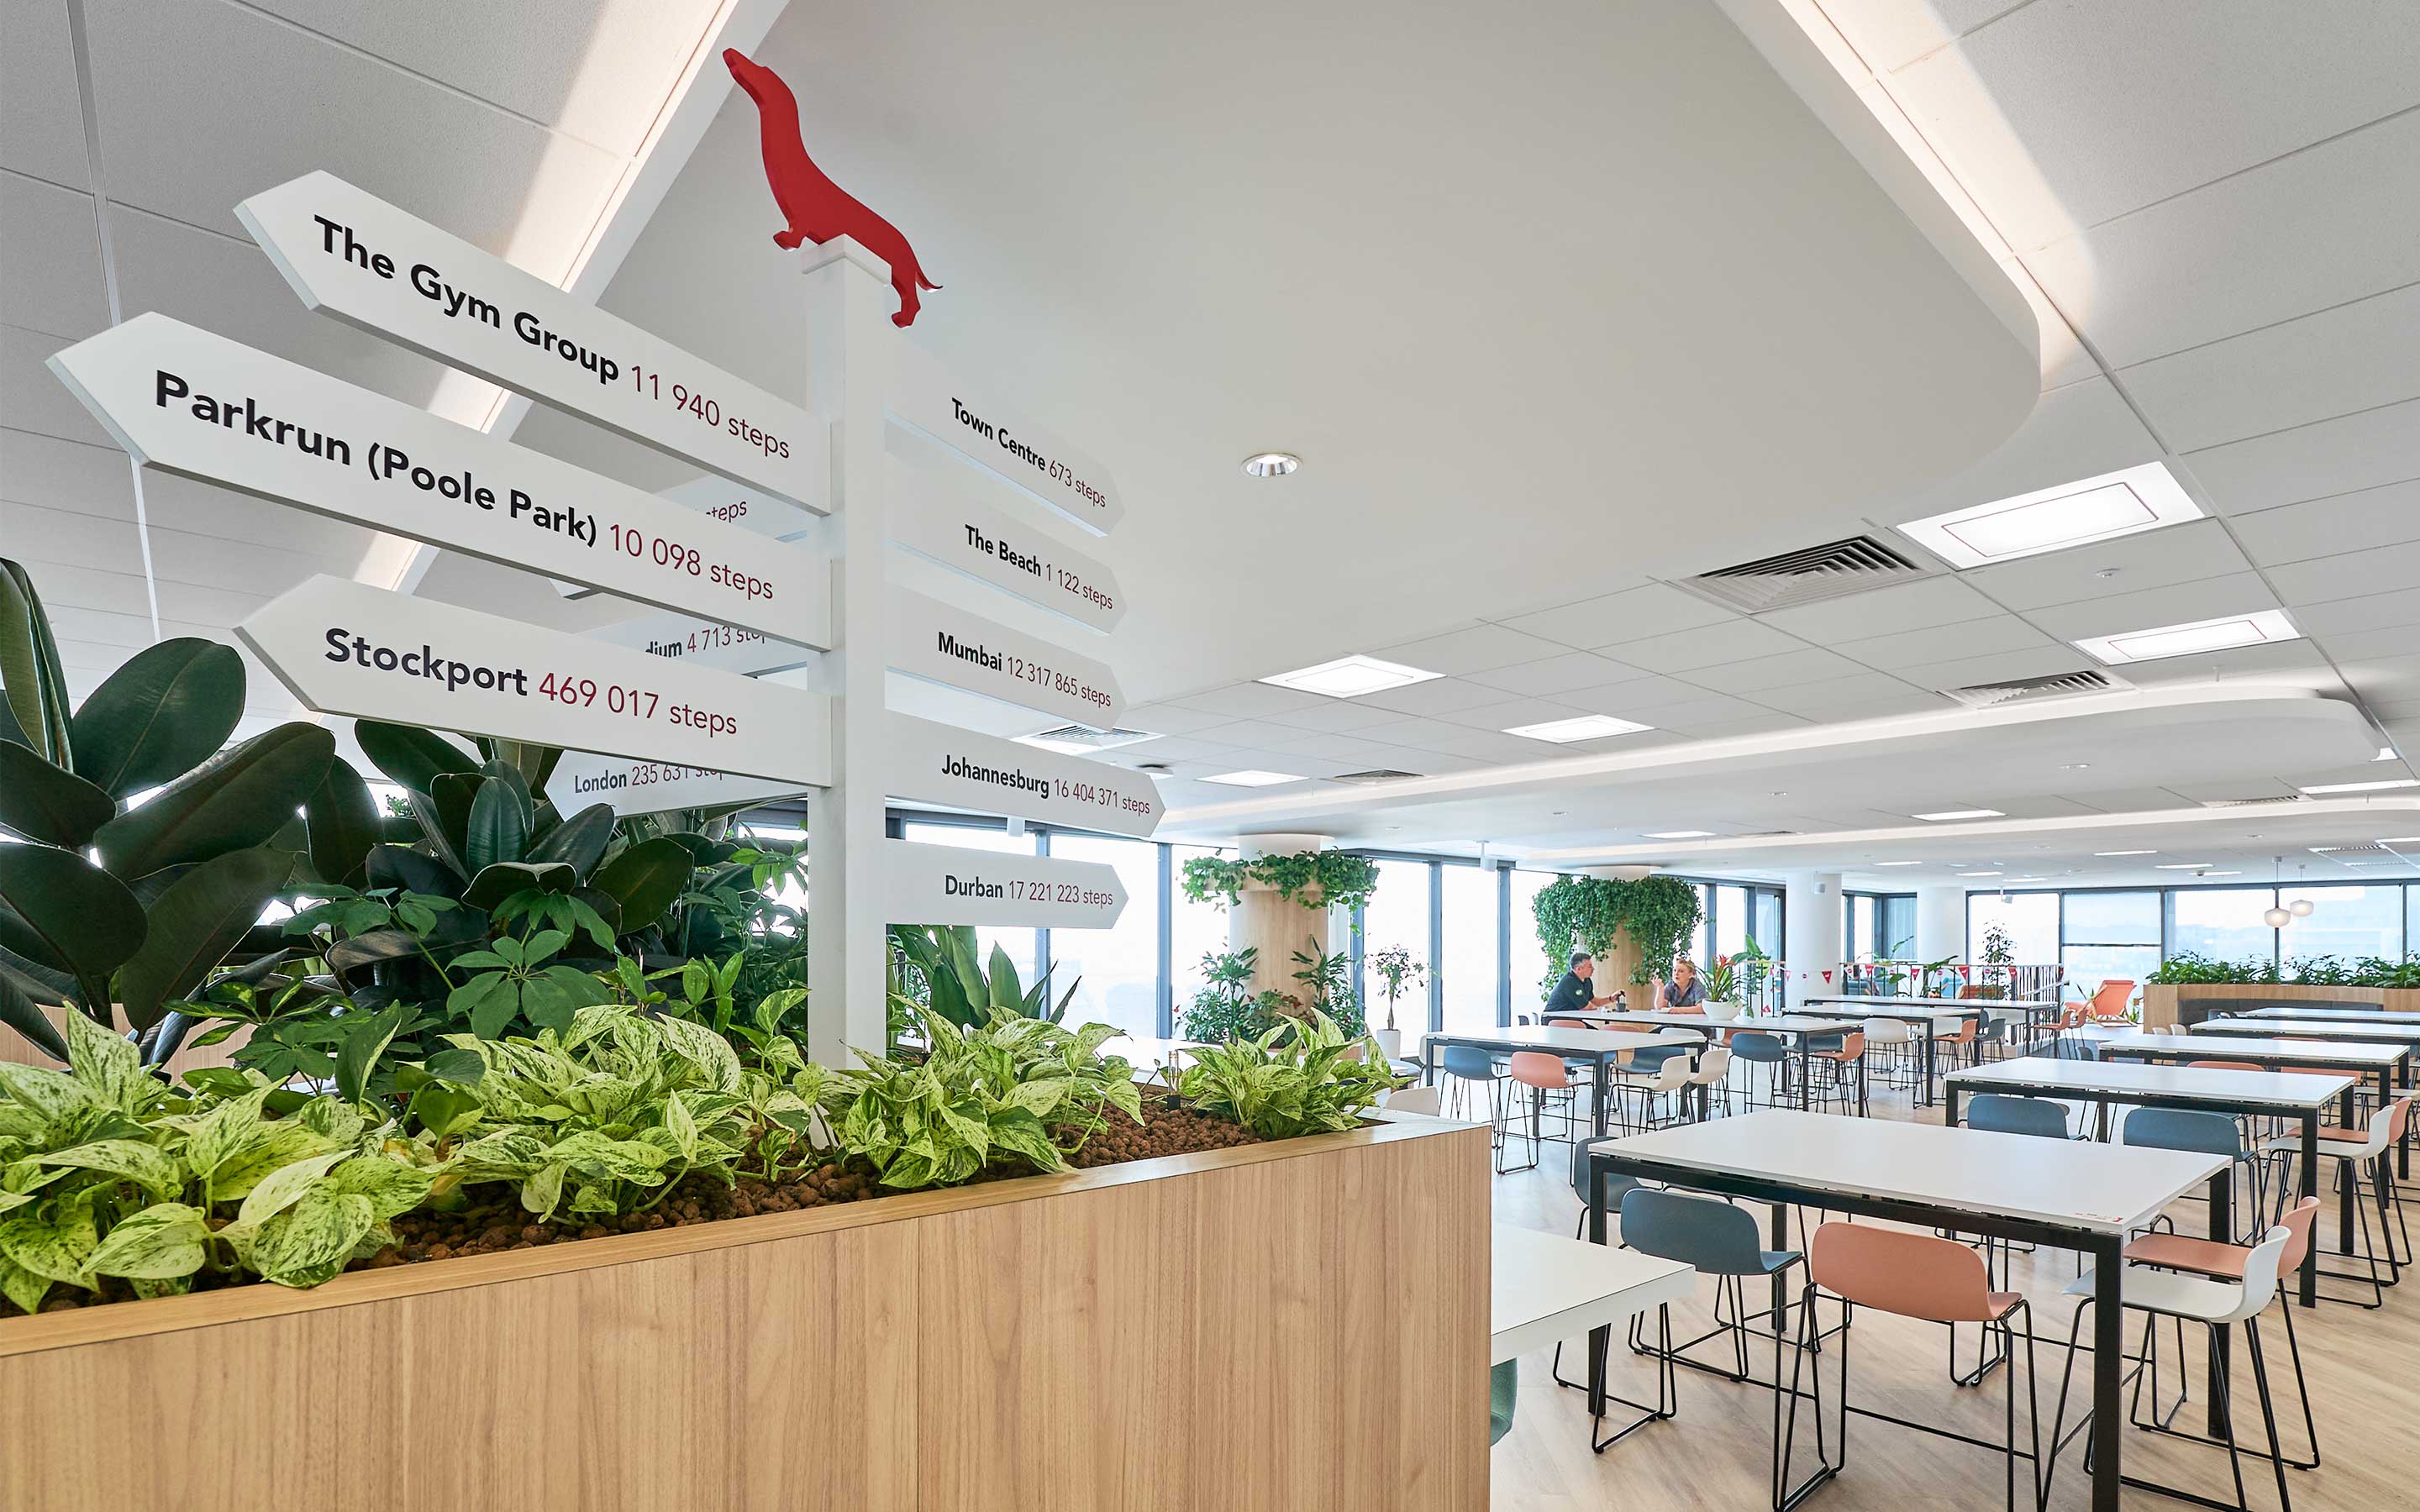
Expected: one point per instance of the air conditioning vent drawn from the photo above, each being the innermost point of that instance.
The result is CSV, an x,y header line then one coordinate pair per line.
x,y
1374,776
1985,695
2344,852
1079,737
2250,803
1831,570
1761,834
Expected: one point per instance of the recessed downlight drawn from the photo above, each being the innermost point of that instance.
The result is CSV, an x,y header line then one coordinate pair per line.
x,y
1271,464
1349,677
1960,813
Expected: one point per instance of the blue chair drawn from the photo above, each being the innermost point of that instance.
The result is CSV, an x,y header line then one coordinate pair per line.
x,y
1999,1113
2202,1134
1717,1240
1503,1393
1758,1048
1616,1188
1466,1064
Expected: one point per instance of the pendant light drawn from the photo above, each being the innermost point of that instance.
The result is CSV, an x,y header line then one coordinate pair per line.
x,y
2275,917
2300,907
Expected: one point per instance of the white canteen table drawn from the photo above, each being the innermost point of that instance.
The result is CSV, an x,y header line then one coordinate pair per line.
x,y
1544,1288
2085,1197
1601,1048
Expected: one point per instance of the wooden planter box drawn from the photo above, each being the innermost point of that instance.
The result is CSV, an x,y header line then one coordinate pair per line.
x,y
1288,1325
2161,999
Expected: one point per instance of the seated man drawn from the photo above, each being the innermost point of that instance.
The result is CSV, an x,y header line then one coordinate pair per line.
x,y
1573,993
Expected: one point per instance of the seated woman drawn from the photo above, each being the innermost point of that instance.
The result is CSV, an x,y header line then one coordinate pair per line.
x,y
1684,990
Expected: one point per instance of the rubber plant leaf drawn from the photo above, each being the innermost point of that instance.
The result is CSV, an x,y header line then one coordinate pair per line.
x,y
645,880
61,911
238,799
47,804
166,711
30,677
194,925
18,1011
498,825
342,824
578,841
410,756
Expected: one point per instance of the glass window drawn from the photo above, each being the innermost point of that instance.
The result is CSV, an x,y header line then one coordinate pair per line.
x,y
2113,919
2030,920
1731,921
1469,968
1701,944
1195,929
2222,923
1022,945
1862,928
1765,926
2090,965
1398,914
1115,971
1898,927
1534,970
2347,922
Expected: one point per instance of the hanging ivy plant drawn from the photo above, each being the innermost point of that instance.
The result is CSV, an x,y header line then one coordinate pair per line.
x,y
1344,881
1657,912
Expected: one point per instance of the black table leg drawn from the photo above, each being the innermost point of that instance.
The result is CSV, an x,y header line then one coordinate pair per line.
x,y
2221,1222
2310,1188
1780,1228
2108,1362
1949,1106
1805,1076
1931,1066
1600,1338
1428,1063
2403,1146
2344,1189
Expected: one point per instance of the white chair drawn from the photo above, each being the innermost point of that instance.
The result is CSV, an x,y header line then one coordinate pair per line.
x,y
1672,1079
2357,1156
1714,1073
1888,1043
1428,1101
2196,1300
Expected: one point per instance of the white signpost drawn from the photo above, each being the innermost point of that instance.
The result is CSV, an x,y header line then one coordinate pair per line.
x,y
189,402
734,504
696,642
992,548
941,764
993,427
945,884
942,644
343,647
638,787
355,256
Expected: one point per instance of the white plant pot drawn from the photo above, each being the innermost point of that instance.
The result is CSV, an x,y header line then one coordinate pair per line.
x,y
1390,1040
1723,1013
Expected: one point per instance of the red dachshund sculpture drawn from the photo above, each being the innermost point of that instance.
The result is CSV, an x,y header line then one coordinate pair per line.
x,y
818,209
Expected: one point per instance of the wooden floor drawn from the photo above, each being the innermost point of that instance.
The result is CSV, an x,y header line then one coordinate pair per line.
x,y
2363,1368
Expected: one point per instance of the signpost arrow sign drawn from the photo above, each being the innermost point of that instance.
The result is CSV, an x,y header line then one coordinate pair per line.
x,y
734,504
343,647
696,642
941,644
927,518
945,884
995,428
935,763
638,787
184,400
355,256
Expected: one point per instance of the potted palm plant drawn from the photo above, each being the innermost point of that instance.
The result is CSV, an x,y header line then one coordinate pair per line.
x,y
1395,970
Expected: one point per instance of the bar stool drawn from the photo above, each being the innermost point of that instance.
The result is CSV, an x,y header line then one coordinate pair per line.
x,y
2214,1305
2351,1150
1959,1045
2002,1113
1713,1075
2202,1134
1470,1065
1846,1054
1907,1275
1719,1241
1890,1049
2222,1261
1758,1048
1672,1079
1543,1073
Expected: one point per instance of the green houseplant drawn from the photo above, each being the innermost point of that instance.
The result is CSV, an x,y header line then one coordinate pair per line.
x,y
1331,879
1395,970
1297,1078
192,840
1657,912
942,971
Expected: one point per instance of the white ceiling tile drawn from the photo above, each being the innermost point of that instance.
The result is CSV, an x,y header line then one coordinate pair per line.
x,y
596,70
1656,609
1942,642
1943,600
2334,456
1821,699
182,143
1421,734
1884,708
1481,648
2192,93
1169,719
1790,668
1339,747
1487,744
1691,713
2356,356
1171,748
1251,700
31,399
1339,716
2363,645
2000,667
1612,697
2293,662
123,592
1436,696
1553,674
2064,359
2368,612
1753,724
43,470
2385,679
50,249
1708,644
2080,431
107,544
1247,732
1511,712
2329,527
2153,559
2351,574
2240,253
41,123
2176,603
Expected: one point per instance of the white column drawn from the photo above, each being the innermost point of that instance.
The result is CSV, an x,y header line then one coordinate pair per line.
x,y
1940,923
850,351
1810,903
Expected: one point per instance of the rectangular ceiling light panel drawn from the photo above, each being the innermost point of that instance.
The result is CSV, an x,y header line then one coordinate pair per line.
x,y
1349,677
1587,726
1947,814
2051,519
2223,634
2365,787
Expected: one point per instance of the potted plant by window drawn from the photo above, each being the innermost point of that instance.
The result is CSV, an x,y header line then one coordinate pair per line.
x,y
1722,988
1395,970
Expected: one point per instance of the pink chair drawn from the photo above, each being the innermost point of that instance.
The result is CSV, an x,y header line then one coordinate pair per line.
x,y
1541,1073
